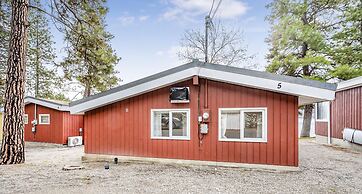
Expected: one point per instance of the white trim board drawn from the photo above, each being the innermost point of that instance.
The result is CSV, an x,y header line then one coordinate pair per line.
x,y
352,83
29,100
307,94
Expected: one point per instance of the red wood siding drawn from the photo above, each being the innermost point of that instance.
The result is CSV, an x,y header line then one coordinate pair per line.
x,y
321,128
346,111
71,125
62,125
123,128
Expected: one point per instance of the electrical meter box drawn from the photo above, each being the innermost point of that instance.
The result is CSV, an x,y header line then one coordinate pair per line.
x,y
204,128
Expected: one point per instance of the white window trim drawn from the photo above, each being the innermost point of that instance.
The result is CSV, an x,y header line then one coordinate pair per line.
x,y
316,113
43,115
170,112
264,111
27,116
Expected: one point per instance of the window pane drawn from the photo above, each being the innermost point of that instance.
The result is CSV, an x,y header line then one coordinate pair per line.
x,y
26,119
44,119
322,110
160,122
253,124
230,124
179,124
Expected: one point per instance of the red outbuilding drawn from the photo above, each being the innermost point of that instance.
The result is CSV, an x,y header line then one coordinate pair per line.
x,y
201,111
340,121
50,121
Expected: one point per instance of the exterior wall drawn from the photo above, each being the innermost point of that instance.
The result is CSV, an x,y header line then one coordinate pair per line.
x,y
62,125
346,111
71,125
321,128
123,128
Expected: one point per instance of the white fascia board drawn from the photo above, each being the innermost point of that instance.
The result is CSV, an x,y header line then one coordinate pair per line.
x,y
133,91
352,83
46,104
306,94
314,94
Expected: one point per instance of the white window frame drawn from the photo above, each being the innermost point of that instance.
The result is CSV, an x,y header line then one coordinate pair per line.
x,y
316,112
264,112
27,119
44,115
170,111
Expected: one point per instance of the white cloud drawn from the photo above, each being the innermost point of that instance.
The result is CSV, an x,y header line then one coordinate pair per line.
x,y
143,18
171,52
126,20
187,9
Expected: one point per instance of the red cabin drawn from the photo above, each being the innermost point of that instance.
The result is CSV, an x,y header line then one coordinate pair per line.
x,y
341,119
201,111
54,123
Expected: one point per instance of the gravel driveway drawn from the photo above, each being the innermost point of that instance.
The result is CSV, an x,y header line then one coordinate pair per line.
x,y
323,170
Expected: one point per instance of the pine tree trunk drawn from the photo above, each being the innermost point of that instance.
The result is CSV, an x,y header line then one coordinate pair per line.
x,y
87,90
307,120
12,149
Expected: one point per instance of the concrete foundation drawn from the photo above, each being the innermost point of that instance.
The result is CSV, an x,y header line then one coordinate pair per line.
x,y
130,159
339,142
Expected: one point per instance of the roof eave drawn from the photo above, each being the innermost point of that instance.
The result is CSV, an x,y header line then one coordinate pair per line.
x,y
313,92
48,104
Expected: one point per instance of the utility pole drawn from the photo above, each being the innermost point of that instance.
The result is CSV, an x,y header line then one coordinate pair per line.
x,y
207,25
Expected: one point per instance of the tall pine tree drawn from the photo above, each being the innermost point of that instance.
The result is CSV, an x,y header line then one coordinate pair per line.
x,y
41,75
346,43
91,59
5,14
298,43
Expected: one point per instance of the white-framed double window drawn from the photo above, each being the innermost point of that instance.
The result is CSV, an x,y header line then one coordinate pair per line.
x,y
322,111
170,124
243,124
44,119
26,119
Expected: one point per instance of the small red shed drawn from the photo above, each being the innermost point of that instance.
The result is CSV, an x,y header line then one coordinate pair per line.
x,y
201,111
343,112
54,121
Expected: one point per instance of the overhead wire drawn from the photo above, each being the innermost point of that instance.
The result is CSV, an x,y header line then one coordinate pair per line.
x,y
218,5
212,7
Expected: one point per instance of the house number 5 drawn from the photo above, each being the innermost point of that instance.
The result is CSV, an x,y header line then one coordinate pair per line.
x,y
279,85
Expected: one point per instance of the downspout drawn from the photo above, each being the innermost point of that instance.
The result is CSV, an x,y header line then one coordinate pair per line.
x,y
35,120
329,123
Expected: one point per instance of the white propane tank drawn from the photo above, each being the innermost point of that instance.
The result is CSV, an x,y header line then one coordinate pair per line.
x,y
352,135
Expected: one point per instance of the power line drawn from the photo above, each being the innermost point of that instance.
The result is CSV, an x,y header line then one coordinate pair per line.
x,y
218,5
212,6
208,24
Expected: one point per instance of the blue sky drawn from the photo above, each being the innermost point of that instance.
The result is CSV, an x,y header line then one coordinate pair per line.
x,y
147,32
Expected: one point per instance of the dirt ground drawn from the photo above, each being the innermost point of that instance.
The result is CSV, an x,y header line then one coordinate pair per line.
x,y
323,169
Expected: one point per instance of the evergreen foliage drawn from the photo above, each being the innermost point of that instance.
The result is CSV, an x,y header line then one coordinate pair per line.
x,y
90,57
5,14
41,74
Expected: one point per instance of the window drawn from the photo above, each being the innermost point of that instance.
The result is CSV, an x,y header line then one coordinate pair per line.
x,y
26,119
322,111
44,119
243,124
178,128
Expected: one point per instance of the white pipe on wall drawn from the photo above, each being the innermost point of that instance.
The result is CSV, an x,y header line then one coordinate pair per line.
x,y
329,123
